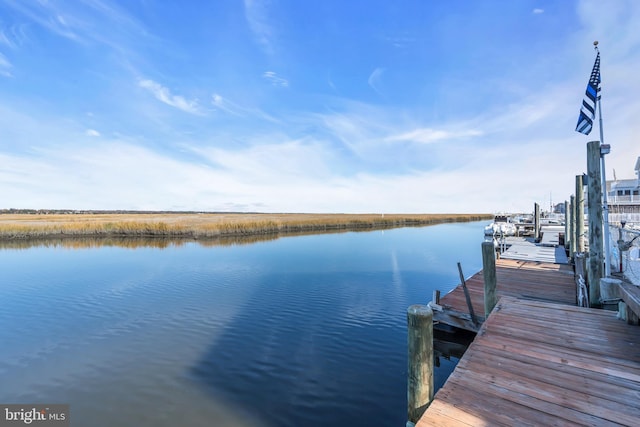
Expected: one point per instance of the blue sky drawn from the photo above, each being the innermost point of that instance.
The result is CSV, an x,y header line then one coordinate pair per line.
x,y
309,106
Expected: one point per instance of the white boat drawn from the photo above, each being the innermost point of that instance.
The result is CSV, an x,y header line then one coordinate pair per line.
x,y
552,219
501,226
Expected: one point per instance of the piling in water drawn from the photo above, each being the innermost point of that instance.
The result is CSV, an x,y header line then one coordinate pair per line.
x,y
420,362
594,205
489,275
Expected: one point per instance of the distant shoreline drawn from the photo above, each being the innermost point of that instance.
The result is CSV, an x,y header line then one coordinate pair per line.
x,y
28,224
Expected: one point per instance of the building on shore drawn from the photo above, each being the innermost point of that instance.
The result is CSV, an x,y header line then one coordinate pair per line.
x,y
624,198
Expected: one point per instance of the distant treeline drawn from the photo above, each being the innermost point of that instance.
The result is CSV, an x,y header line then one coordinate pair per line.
x,y
98,212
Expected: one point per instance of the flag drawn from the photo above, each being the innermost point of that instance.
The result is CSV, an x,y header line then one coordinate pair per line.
x,y
588,110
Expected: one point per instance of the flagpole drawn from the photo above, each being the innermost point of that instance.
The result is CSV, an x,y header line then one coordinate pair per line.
x,y
605,206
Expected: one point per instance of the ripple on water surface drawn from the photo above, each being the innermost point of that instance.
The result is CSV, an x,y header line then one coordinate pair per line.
x,y
301,331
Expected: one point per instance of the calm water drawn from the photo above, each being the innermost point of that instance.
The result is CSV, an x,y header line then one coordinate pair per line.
x,y
298,331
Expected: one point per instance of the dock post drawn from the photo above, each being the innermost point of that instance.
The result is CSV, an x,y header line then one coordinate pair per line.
x,y
622,311
579,213
536,221
626,314
572,226
436,296
610,292
567,225
596,248
489,274
420,363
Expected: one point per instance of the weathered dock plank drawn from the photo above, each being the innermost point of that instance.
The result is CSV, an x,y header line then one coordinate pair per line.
x,y
551,235
525,249
540,363
528,280
572,378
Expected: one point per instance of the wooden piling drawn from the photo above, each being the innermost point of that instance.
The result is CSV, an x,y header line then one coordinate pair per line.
x,y
567,224
536,221
610,288
436,296
579,214
596,242
572,226
622,311
420,362
489,275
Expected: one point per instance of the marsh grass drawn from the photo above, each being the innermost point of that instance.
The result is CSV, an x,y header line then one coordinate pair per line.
x,y
204,226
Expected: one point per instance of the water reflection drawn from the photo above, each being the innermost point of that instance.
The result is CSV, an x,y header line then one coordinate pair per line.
x,y
308,320
130,242
159,242
308,330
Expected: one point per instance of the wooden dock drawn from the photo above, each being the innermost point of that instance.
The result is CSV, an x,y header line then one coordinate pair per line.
x,y
535,280
539,363
525,249
538,359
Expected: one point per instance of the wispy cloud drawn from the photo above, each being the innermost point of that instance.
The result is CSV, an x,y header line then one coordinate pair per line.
x,y
325,146
163,94
50,16
274,79
227,106
375,79
295,159
13,37
358,129
5,40
116,14
77,170
256,13
86,23
400,41
5,66
429,136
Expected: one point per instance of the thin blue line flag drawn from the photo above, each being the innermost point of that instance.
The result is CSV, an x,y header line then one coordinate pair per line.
x,y
588,110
